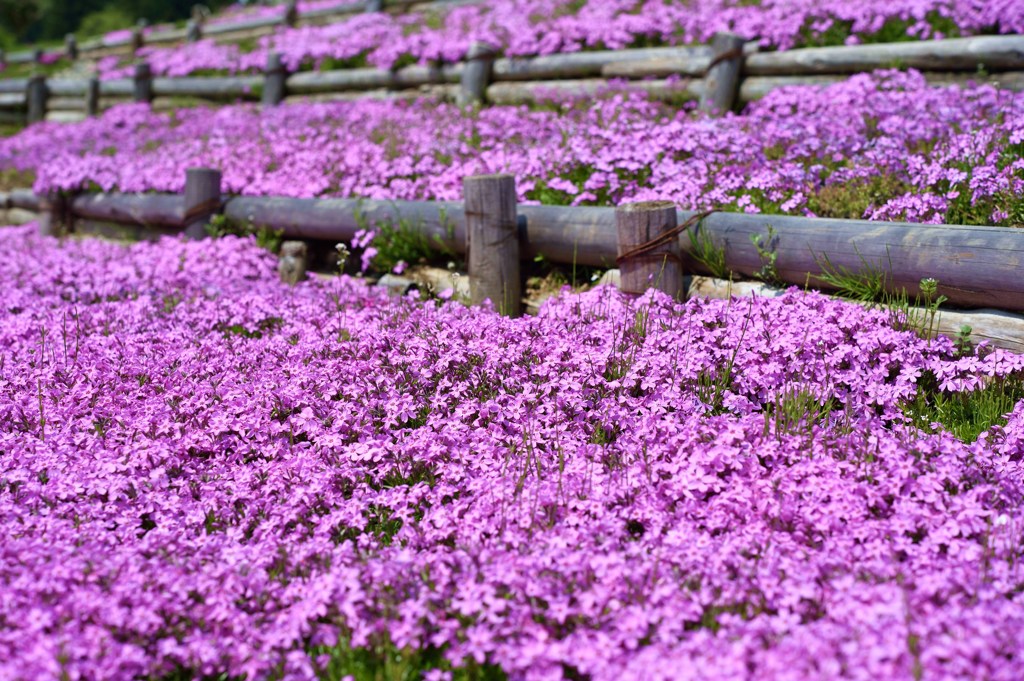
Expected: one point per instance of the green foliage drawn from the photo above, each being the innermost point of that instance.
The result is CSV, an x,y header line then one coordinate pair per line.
x,y
892,31
796,411
867,285
34,20
714,382
334,64
766,246
9,129
382,661
102,21
16,179
917,316
578,176
402,240
16,17
965,414
222,225
705,251
851,200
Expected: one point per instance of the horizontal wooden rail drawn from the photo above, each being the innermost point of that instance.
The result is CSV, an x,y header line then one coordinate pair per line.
x,y
211,88
24,199
993,53
142,209
528,80
312,82
975,266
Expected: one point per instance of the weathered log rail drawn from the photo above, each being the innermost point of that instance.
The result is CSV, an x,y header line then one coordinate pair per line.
x,y
976,267
669,73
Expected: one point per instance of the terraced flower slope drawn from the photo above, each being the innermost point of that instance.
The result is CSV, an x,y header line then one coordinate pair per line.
x,y
532,27
883,146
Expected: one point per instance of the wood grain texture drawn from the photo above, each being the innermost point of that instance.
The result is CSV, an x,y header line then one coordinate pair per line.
x,y
993,53
13,100
722,81
122,231
274,88
590,64
556,90
71,47
477,73
201,185
336,219
220,87
142,83
65,104
92,97
975,266
493,242
24,199
641,268
756,87
141,209
54,216
13,85
67,87
367,79
65,116
36,95
119,87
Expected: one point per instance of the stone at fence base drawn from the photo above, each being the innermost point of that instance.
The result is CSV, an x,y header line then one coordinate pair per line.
x,y
19,216
396,285
610,277
291,266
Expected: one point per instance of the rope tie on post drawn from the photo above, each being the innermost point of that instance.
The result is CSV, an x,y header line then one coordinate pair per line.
x,y
735,53
199,210
643,251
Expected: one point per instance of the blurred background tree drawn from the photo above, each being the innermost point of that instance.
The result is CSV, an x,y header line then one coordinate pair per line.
x,y
25,21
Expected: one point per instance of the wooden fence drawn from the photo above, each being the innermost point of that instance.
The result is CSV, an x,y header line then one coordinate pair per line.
x,y
721,75
976,267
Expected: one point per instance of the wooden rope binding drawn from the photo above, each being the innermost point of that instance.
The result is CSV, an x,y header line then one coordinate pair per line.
x,y
725,56
211,205
645,250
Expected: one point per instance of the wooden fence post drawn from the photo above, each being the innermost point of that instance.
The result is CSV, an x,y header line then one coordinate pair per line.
x,y
476,75
37,55
193,31
3,58
648,249
291,13
71,47
274,80
492,236
142,89
36,95
137,40
54,214
202,200
374,6
722,79
92,97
